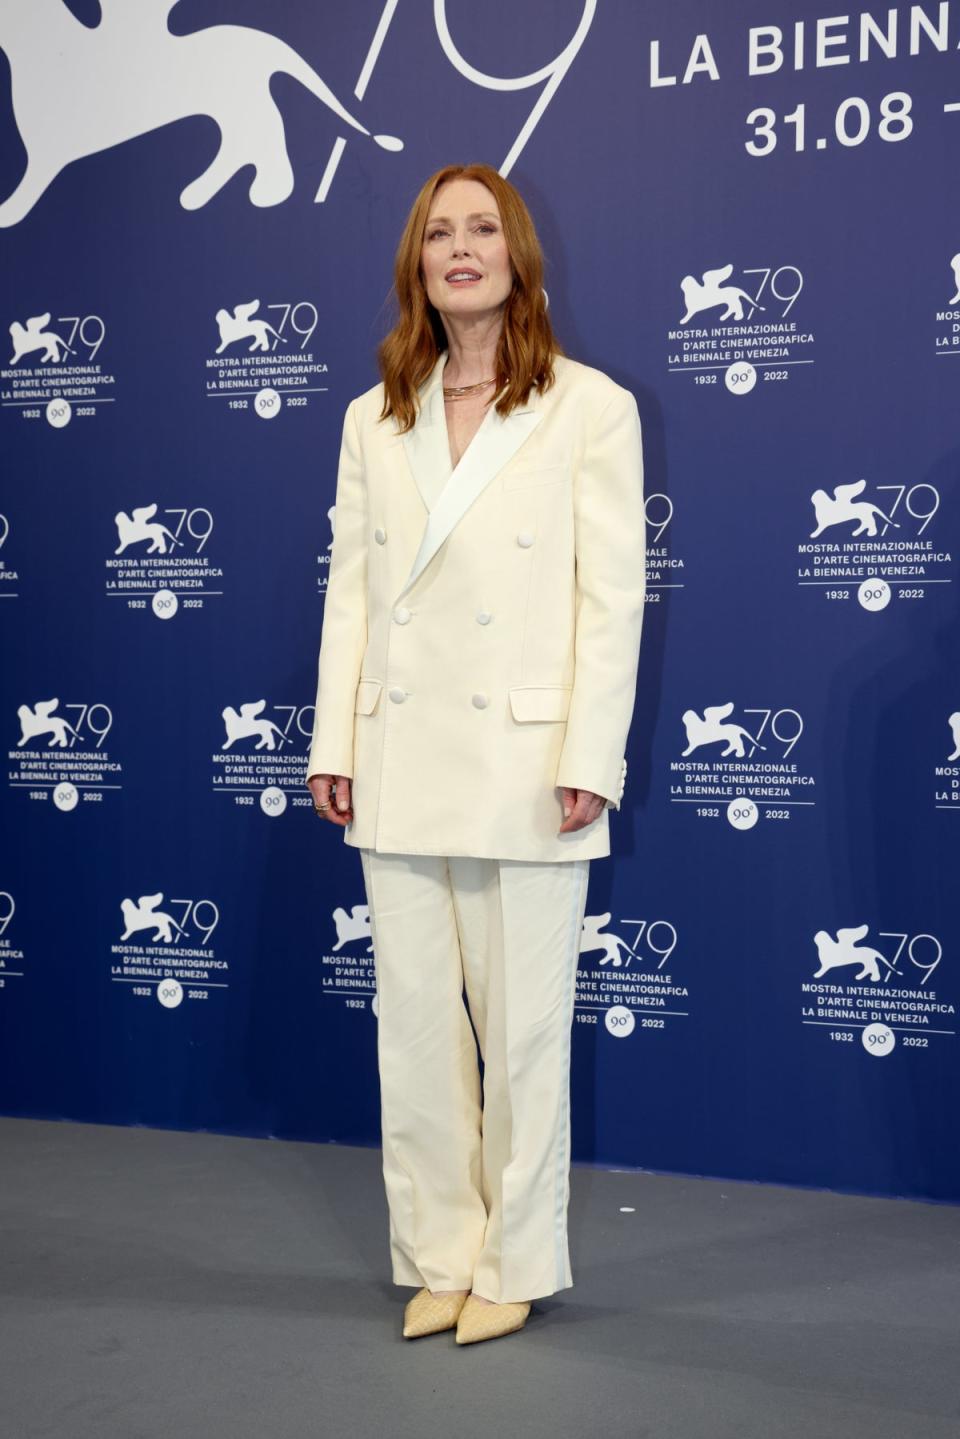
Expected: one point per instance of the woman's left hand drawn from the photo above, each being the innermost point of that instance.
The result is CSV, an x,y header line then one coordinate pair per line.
x,y
581,807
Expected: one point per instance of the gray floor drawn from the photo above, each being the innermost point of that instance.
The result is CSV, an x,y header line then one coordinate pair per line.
x,y
158,1285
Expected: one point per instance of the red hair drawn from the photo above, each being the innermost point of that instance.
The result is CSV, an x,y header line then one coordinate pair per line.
x,y
527,344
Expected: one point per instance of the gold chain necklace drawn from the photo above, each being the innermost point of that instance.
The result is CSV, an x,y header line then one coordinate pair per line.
x,y
456,391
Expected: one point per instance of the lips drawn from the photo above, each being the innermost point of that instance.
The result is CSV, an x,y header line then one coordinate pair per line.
x,y
461,271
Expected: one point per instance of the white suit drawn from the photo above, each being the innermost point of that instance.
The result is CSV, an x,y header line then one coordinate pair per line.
x,y
482,628
479,649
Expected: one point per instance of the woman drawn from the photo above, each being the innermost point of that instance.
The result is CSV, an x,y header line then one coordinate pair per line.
x,y
477,676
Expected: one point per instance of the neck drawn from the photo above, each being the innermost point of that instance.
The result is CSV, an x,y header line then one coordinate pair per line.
x,y
472,349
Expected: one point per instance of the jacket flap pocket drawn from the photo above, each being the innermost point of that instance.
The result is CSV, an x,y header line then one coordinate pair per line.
x,y
518,476
540,702
368,692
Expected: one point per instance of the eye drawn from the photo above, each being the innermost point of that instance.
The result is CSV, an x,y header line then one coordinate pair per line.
x,y
442,230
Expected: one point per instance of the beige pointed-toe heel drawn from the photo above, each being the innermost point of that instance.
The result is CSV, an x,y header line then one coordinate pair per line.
x,y
488,1321
429,1313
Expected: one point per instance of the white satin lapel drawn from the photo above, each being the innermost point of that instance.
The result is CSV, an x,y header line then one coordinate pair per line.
x,y
427,451
428,454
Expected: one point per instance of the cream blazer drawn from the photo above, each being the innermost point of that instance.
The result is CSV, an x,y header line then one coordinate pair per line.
x,y
481,631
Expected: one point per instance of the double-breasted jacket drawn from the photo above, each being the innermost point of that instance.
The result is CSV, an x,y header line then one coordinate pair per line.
x,y
481,629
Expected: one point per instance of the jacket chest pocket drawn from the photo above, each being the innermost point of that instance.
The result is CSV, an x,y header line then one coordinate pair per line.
x,y
526,475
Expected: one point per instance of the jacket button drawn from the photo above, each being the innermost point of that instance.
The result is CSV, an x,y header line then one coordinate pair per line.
x,y
525,538
484,617
401,615
380,536
397,695
480,701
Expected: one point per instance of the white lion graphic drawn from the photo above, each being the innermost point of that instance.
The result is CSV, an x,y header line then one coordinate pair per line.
x,y
844,950
710,730
34,335
954,723
40,721
592,938
711,291
240,325
955,267
355,925
246,724
839,509
129,75
134,529
145,915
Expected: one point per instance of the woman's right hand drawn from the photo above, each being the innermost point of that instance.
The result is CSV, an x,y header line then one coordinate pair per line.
x,y
334,788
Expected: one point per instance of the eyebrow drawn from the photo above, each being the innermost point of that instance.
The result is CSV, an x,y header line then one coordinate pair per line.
x,y
475,215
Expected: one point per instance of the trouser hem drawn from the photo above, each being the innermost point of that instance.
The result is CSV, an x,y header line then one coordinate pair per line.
x,y
509,1298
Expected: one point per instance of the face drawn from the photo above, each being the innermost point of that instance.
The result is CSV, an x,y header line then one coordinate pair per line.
x,y
464,234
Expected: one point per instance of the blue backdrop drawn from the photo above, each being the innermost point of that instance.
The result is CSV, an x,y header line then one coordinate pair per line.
x,y
750,219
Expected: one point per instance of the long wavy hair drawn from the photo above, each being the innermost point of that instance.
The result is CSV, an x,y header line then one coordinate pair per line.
x,y
527,344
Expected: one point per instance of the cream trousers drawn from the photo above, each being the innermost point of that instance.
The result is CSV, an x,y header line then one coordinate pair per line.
x,y
477,1176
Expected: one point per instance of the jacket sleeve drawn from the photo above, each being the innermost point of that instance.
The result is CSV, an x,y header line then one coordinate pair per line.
x,y
344,633
610,588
